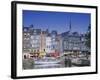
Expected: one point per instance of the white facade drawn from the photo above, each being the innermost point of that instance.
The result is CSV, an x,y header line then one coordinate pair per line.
x,y
48,44
35,42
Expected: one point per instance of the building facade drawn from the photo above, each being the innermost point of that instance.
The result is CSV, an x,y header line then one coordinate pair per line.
x,y
45,42
73,42
35,40
48,44
26,40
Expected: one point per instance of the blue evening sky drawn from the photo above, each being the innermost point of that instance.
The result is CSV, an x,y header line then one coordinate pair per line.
x,y
58,21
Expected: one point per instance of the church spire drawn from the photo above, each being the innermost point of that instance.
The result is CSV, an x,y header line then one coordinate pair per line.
x,y
70,25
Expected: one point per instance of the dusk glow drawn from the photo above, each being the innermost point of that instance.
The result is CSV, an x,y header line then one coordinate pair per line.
x,y
58,21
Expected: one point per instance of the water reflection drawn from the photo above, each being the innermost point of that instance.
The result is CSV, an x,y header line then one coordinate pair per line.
x,y
42,66
48,63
